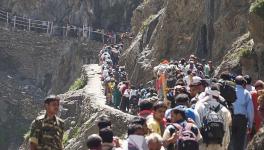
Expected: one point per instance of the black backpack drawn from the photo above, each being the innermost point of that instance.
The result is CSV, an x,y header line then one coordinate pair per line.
x,y
213,125
228,91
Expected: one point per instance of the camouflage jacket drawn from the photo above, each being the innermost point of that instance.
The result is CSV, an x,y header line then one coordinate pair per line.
x,y
47,133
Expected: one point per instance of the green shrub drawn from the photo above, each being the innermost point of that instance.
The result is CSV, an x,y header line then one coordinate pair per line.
x,y
258,8
244,52
78,84
65,138
146,23
76,132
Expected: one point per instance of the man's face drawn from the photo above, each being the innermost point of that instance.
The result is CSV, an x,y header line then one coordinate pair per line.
x,y
159,113
53,107
258,88
193,90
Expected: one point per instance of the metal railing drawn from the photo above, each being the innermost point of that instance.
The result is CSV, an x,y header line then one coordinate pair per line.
x,y
27,24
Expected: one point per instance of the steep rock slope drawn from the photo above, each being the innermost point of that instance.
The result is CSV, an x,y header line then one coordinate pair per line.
x,y
249,56
82,108
32,66
178,28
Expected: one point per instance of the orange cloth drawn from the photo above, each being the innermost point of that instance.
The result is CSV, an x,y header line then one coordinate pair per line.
x,y
257,119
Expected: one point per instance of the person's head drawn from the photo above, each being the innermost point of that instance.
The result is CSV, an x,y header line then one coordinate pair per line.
x,y
52,104
196,86
180,82
107,135
178,90
135,129
182,61
154,141
141,121
240,80
213,90
189,72
94,142
178,113
225,76
210,63
145,105
182,99
203,61
248,79
259,85
104,122
159,109
200,68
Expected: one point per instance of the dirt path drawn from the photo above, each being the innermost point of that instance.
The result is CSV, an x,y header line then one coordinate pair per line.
x,y
94,86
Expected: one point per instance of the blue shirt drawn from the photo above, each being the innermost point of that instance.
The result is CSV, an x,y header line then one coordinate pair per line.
x,y
244,105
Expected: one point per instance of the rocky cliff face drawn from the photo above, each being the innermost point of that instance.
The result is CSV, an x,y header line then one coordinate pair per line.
x,y
249,57
175,29
108,14
32,66
82,108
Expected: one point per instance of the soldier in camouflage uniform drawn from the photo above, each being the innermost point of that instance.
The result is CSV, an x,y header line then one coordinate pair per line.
x,y
47,130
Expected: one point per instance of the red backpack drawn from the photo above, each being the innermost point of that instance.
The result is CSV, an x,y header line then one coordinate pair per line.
x,y
187,138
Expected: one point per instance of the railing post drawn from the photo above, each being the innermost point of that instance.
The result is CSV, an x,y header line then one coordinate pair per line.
x,y
29,21
14,22
66,34
51,28
103,36
83,31
89,34
7,15
114,38
48,27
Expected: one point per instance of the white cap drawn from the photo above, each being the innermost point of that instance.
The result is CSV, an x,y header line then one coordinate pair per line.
x,y
196,81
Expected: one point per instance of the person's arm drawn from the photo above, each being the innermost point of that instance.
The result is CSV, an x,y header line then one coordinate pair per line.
x,y
34,134
250,110
169,139
197,119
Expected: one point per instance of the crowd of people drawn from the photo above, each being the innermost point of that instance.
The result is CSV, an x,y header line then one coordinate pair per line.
x,y
185,106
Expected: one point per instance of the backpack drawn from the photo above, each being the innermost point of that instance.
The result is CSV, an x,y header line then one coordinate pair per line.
x,y
187,139
228,91
213,125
